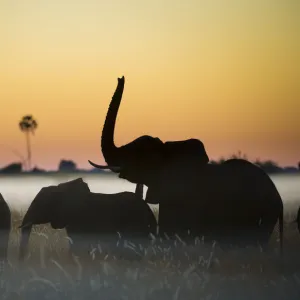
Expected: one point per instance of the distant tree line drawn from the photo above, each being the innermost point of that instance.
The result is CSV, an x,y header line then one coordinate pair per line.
x,y
29,125
64,166
269,166
69,166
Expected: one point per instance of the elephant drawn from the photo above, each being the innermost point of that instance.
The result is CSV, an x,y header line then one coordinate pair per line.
x,y
88,216
5,227
235,198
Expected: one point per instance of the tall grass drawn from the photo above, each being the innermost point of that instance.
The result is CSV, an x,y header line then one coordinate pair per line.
x,y
166,270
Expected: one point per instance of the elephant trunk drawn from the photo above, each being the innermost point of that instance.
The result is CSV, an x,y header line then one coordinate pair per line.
x,y
110,151
26,229
108,147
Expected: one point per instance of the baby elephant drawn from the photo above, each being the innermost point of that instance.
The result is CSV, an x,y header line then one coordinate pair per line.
x,y
88,216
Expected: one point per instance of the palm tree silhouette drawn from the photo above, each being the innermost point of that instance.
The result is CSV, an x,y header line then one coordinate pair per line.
x,y
28,125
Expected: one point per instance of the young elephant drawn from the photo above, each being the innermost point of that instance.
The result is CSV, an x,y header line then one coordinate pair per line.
x,y
88,216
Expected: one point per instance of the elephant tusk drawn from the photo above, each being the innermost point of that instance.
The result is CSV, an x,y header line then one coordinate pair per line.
x,y
115,169
25,225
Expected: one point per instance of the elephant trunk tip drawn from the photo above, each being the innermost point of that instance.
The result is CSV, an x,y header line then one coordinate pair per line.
x,y
110,151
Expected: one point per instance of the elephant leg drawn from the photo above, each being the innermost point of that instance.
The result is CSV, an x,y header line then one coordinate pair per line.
x,y
265,229
89,249
251,234
228,229
242,231
80,253
172,221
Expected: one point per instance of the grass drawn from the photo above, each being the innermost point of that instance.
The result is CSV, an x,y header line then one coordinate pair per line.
x,y
169,270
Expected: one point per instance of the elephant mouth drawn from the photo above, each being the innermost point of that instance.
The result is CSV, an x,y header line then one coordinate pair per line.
x,y
105,167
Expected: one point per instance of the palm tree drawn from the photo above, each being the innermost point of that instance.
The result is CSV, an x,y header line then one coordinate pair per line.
x,y
28,125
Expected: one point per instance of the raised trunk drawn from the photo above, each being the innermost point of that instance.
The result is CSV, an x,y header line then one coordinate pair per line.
x,y
24,242
109,149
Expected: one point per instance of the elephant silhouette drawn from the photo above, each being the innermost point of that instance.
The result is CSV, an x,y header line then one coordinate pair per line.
x,y
5,227
236,199
88,217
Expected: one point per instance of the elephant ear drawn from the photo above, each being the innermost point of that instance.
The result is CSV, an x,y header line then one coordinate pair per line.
x,y
185,154
143,160
58,218
70,203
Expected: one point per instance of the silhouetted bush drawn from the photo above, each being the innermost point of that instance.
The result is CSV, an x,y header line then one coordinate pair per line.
x,y
269,166
67,166
38,170
290,169
12,168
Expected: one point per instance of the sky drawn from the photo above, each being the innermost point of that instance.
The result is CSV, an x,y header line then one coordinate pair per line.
x,y
225,72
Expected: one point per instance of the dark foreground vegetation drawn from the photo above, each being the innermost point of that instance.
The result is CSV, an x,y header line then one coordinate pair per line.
x,y
168,270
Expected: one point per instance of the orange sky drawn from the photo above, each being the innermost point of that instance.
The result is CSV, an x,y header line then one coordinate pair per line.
x,y
226,72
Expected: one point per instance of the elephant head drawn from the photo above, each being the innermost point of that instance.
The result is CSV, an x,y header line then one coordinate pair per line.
x,y
52,205
142,160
